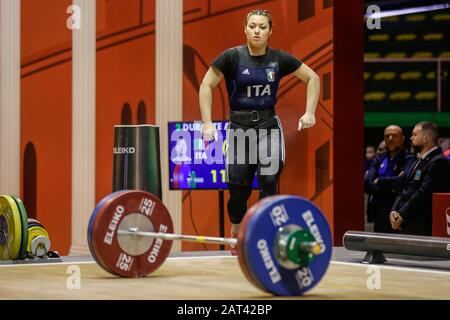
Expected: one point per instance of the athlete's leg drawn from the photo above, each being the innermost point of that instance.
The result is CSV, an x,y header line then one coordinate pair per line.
x,y
240,171
237,207
237,204
271,158
268,184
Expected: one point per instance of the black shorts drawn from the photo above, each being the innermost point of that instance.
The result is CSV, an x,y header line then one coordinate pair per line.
x,y
254,149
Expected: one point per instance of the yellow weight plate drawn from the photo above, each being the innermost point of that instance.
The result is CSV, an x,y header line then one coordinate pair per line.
x,y
33,232
10,228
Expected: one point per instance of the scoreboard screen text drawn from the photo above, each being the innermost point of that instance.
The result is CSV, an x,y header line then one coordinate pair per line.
x,y
195,163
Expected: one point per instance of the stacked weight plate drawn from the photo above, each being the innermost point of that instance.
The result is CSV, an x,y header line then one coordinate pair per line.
x,y
13,228
38,243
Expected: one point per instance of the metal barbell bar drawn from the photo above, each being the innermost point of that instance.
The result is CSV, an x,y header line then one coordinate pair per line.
x,y
307,246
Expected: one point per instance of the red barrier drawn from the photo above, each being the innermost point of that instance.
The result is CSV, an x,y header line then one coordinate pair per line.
x,y
441,214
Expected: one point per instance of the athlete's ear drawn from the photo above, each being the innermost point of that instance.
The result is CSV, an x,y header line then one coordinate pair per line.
x,y
270,33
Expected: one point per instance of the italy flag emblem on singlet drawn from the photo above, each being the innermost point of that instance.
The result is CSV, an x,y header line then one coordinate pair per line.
x,y
270,75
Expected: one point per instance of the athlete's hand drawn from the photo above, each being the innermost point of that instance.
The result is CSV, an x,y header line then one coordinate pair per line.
x,y
308,120
208,131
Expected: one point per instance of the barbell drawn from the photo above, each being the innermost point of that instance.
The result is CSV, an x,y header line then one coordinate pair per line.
x,y
284,243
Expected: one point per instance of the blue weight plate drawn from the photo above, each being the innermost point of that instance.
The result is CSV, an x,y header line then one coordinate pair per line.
x,y
258,243
91,223
242,253
241,248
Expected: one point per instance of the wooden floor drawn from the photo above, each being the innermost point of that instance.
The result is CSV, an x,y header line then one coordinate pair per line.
x,y
213,278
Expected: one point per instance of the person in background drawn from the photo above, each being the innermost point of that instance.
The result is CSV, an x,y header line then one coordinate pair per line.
x,y
370,154
447,154
444,143
412,210
381,149
382,180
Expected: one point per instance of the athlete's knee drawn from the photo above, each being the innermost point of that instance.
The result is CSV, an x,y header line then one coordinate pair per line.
x,y
268,185
237,203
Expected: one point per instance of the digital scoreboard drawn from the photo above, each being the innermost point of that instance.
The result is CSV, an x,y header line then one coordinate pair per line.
x,y
195,163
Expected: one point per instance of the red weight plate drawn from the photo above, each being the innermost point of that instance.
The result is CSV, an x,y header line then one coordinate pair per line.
x,y
91,222
34,222
126,255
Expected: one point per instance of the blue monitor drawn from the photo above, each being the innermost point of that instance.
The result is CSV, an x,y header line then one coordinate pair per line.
x,y
195,164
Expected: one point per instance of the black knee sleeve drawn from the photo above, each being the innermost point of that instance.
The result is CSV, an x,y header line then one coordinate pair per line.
x,y
237,204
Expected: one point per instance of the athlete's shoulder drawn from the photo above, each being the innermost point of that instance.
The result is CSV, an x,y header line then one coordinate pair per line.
x,y
279,52
232,50
274,50
229,53
226,55
286,57
240,49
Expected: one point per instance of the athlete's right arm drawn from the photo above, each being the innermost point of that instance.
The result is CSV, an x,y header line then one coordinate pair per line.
x,y
210,81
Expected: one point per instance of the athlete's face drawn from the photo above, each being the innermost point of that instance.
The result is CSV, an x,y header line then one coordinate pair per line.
x,y
258,30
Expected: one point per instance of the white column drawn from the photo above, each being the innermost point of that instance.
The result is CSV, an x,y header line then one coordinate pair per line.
x,y
9,97
169,73
83,125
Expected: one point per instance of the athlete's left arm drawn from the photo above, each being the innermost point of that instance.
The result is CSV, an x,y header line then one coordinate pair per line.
x,y
312,80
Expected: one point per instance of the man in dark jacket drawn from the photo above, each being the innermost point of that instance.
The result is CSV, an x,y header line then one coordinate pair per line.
x,y
382,179
412,210
370,155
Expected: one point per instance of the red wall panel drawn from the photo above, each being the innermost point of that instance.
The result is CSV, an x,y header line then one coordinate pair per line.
x,y
46,122
46,112
125,74
43,28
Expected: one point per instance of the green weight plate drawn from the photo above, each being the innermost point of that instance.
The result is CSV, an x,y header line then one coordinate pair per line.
x,y
24,220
